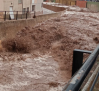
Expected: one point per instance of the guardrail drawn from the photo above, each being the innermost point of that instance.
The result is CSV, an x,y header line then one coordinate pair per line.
x,y
79,75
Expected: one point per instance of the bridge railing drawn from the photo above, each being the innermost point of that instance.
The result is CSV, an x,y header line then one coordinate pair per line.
x,y
82,69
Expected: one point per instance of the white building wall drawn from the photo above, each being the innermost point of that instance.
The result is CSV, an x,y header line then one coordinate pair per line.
x,y
26,3
1,5
14,4
38,5
5,5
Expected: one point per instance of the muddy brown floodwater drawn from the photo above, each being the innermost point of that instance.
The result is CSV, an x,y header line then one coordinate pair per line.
x,y
40,58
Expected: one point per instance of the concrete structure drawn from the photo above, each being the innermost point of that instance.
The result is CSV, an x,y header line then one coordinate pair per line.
x,y
21,5
1,5
9,29
38,6
53,8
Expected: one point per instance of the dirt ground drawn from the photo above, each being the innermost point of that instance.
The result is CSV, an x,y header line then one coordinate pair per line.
x,y
40,58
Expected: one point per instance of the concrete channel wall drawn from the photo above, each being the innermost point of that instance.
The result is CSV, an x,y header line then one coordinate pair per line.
x,y
53,8
10,28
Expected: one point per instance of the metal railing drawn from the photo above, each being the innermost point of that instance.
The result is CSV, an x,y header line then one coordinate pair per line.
x,y
80,74
15,15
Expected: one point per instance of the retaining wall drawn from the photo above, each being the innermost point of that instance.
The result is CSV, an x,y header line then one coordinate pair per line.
x,y
10,28
53,8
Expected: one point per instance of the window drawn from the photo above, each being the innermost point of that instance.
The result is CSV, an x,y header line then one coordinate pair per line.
x,y
33,7
19,1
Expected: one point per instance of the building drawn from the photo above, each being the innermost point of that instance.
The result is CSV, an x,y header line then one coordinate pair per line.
x,y
37,5
22,6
